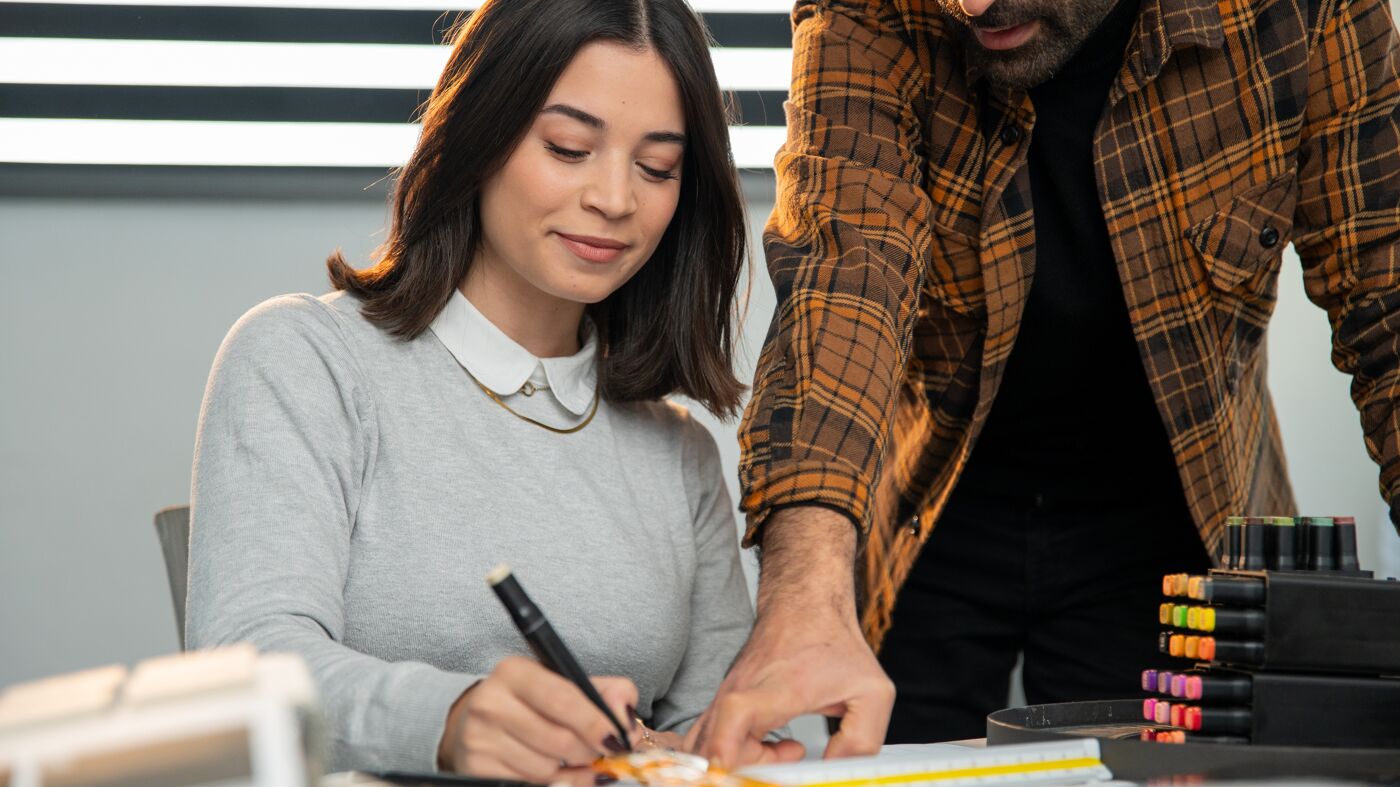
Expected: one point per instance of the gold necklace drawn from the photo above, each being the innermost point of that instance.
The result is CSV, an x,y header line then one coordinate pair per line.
x,y
586,421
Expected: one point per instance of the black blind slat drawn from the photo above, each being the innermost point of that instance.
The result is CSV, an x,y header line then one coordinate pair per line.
x,y
266,104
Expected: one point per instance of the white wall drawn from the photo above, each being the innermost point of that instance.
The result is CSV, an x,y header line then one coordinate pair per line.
x,y
110,314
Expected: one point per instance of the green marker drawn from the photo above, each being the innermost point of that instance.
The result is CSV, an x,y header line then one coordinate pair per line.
x,y
1320,553
1281,557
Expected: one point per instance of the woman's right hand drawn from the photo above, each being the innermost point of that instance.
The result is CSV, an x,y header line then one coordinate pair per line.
x,y
527,723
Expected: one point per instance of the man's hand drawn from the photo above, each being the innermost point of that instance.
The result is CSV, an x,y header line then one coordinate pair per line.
x,y
806,653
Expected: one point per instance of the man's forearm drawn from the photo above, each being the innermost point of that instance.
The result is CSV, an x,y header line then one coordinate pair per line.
x,y
808,561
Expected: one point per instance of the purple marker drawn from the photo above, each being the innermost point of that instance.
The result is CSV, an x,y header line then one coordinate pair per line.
x,y
1149,680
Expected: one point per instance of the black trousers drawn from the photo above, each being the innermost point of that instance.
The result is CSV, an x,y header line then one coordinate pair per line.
x,y
1076,589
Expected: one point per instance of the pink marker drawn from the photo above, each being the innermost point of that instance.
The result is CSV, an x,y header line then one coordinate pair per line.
x,y
1163,713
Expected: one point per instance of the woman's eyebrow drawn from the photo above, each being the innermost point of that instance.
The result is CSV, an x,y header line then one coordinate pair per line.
x,y
576,114
594,121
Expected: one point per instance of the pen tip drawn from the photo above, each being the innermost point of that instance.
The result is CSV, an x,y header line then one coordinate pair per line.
x,y
498,575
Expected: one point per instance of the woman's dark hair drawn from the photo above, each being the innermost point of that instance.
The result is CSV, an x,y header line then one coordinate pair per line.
x,y
670,328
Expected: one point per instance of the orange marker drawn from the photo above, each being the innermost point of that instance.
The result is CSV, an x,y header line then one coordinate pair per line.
x,y
1177,645
1206,649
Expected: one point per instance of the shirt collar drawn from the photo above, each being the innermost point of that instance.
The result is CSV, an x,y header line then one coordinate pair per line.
x,y
1162,26
503,366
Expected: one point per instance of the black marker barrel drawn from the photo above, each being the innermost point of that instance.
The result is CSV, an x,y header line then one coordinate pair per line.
x,y
545,642
1234,541
1320,552
1206,687
1239,591
1232,622
1231,651
1205,737
1256,532
1282,543
1345,530
1230,721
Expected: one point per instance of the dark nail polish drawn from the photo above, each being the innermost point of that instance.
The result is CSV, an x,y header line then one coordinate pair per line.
x,y
632,717
604,778
612,744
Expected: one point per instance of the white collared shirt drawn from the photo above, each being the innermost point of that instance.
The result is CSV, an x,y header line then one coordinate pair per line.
x,y
502,365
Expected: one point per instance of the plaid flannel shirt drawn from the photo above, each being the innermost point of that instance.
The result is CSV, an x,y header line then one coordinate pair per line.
x,y
902,249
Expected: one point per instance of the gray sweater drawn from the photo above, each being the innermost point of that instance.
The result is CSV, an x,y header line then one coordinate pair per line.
x,y
351,491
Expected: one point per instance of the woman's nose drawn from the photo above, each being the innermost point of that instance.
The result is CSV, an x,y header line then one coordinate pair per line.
x,y
611,193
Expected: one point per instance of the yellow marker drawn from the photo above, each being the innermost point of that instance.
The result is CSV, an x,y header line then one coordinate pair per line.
x,y
1193,618
1207,618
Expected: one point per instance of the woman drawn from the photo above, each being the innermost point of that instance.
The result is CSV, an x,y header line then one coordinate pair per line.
x,y
565,246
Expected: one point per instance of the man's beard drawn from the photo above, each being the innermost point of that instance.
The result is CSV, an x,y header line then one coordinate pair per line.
x,y
1064,27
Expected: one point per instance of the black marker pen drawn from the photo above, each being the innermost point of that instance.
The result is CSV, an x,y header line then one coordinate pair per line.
x,y
545,643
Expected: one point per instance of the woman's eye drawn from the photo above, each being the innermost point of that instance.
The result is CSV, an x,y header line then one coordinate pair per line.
x,y
659,174
565,152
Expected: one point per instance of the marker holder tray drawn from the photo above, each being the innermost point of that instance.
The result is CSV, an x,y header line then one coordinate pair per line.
x,y
1324,622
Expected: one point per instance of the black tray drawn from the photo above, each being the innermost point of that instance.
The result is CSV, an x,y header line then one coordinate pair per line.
x,y
1117,724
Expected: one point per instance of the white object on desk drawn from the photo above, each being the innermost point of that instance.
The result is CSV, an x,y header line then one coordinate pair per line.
x,y
228,716
1070,762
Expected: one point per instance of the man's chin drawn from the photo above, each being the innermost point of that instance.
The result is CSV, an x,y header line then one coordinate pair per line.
x,y
1020,69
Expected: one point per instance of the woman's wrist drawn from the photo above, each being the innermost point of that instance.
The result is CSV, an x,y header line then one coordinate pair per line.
x,y
450,731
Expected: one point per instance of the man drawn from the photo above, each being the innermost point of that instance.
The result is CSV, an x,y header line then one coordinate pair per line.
x,y
1025,252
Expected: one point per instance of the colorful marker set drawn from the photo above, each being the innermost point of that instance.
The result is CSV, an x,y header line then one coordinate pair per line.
x,y
1213,705
1199,684
1289,649
1205,648
1199,718
1223,620
1181,736
1285,620
1285,543
1216,589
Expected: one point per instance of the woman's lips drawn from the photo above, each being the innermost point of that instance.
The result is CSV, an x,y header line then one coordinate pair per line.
x,y
1003,38
591,249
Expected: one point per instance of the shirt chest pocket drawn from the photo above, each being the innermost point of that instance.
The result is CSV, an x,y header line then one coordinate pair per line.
x,y
1242,247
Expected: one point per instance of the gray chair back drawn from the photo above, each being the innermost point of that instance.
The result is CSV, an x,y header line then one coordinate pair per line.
x,y
173,530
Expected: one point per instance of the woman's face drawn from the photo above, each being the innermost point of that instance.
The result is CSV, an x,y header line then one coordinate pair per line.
x,y
584,199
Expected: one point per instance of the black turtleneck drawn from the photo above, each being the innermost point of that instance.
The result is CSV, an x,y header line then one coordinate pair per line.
x,y
1074,424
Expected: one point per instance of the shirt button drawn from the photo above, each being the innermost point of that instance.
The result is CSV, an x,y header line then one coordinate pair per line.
x,y
1010,134
1268,237
914,525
